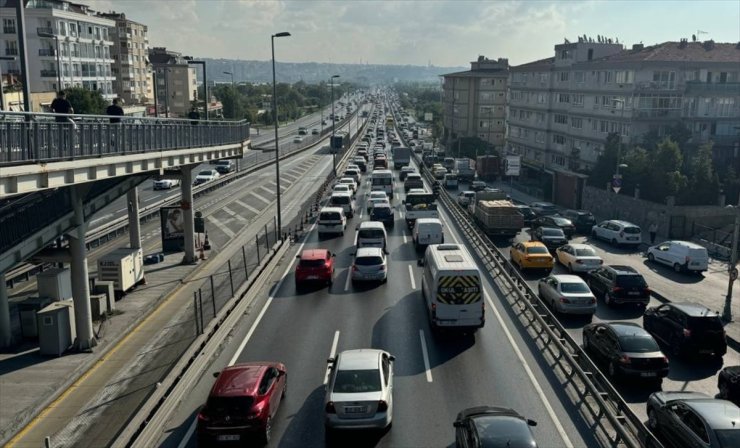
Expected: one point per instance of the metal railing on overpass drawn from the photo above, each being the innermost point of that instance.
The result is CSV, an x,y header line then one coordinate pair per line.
x,y
43,137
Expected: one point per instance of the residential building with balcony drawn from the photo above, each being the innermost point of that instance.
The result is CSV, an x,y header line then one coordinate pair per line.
x,y
175,82
562,108
474,102
130,53
67,45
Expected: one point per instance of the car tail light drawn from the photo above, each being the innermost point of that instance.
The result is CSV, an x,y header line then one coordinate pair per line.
x,y
354,268
616,289
564,300
381,268
625,359
382,406
665,359
330,409
434,311
646,290
202,417
601,261
593,300
686,333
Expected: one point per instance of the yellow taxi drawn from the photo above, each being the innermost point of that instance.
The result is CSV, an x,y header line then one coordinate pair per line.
x,y
531,255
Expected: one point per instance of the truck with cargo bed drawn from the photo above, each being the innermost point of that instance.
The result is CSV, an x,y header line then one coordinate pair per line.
x,y
465,169
495,214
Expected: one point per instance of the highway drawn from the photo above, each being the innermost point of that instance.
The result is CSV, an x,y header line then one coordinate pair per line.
x,y
435,377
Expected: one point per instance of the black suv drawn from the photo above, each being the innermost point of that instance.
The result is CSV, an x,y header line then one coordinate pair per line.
x,y
686,328
619,284
556,221
582,219
552,237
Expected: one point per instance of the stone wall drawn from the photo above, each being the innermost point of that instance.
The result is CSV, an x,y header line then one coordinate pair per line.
x,y
674,221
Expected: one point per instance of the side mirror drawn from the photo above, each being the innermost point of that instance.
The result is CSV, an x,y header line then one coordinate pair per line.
x,y
420,262
457,424
392,358
216,374
531,422
298,256
330,360
281,373
333,255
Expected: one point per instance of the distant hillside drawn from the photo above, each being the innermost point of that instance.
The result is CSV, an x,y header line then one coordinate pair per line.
x,y
312,72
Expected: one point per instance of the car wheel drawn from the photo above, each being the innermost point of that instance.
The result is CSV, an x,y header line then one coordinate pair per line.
x,y
652,422
607,299
615,243
651,257
267,433
677,267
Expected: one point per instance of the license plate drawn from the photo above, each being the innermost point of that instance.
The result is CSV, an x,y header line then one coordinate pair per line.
x,y
632,239
633,293
648,374
228,437
312,277
354,409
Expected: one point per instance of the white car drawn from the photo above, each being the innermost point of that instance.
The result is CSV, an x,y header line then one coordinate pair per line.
x,y
370,264
165,184
298,139
343,188
680,255
206,176
348,181
359,394
354,173
578,257
372,202
617,232
465,197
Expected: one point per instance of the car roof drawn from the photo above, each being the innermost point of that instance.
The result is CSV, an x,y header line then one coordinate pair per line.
x,y
369,252
622,223
486,410
693,309
429,221
688,244
332,209
239,379
360,359
720,414
578,212
567,278
547,204
622,269
341,193
314,254
580,246
372,225
533,244
557,229
626,328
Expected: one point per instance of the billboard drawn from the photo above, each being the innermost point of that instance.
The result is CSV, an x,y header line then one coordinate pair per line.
x,y
172,222
428,116
513,165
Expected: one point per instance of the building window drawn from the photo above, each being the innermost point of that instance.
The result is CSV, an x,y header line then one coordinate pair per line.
x,y
578,77
561,119
625,76
563,98
664,79
544,77
539,137
564,76
9,26
557,159
577,99
485,96
564,54
576,123
540,117
541,98
516,95
558,139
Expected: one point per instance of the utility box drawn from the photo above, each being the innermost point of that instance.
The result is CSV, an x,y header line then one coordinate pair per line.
x,y
109,290
55,283
27,310
124,267
98,305
56,328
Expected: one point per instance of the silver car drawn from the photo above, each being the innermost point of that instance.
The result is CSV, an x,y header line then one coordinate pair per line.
x,y
567,294
370,264
359,394
578,257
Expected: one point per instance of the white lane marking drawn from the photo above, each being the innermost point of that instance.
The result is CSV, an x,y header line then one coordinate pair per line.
x,y
234,214
267,189
101,218
425,355
261,198
221,226
120,210
404,238
248,207
291,176
411,276
349,279
151,198
272,182
188,435
532,379
332,354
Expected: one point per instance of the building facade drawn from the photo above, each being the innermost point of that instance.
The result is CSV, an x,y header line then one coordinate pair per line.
x,y
130,53
474,102
67,45
561,109
174,80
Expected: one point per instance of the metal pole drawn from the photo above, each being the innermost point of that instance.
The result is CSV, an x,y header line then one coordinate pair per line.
x,y
244,258
59,64
156,93
166,94
205,88
195,312
231,278
257,245
732,268
23,54
200,307
333,117
277,141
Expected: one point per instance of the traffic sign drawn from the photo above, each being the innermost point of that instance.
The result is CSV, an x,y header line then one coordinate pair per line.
x,y
617,183
513,165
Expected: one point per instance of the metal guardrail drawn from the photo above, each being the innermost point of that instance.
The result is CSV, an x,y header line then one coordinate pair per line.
x,y
38,137
595,391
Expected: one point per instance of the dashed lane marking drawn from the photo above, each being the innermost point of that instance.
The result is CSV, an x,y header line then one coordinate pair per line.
x,y
234,214
260,197
247,206
221,226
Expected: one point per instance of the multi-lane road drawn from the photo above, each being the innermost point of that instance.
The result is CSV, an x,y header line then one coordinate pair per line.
x,y
436,377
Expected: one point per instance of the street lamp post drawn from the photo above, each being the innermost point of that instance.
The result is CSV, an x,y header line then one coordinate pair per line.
x,y
333,119
277,142
205,83
618,176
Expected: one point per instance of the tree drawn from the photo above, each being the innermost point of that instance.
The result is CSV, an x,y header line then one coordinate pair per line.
x,y
666,179
703,181
86,101
606,164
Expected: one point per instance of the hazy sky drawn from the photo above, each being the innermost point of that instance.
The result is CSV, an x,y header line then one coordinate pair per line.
x,y
445,33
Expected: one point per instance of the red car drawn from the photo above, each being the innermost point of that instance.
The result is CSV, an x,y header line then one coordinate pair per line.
x,y
242,403
315,265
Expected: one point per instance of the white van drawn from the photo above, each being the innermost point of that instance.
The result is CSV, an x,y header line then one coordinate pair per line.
x,y
382,179
371,234
427,231
331,221
451,288
680,255
344,200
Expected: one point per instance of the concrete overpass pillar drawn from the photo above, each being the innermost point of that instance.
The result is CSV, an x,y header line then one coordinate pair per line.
x,y
186,204
80,286
132,197
6,336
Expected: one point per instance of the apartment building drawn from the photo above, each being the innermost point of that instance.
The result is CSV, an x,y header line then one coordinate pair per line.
x,y
562,108
175,82
67,45
130,53
474,102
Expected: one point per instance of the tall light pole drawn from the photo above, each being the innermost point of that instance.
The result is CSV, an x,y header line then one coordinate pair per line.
x,y
277,142
233,88
617,181
333,119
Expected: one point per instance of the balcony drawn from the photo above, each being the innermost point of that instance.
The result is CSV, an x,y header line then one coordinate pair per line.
x,y
13,71
9,30
731,88
43,31
47,52
11,52
658,85
49,73
658,113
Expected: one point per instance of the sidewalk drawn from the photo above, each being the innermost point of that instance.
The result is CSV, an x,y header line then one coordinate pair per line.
x,y
710,291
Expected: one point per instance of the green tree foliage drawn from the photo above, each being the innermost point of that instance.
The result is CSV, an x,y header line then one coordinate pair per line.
x,y
86,101
703,181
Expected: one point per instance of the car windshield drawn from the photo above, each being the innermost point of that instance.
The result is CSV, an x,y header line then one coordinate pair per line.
x,y
502,431
638,344
561,221
357,381
312,263
381,211
574,288
329,216
205,173
585,252
553,232
370,233
631,281
340,200
537,250
223,406
632,230
372,260
728,438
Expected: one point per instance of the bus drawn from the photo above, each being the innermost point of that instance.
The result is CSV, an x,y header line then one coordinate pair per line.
x,y
382,180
